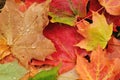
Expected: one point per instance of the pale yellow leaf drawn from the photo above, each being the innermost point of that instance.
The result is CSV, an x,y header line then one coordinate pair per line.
x,y
70,75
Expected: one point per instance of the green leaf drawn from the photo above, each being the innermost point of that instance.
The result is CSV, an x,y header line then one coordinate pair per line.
x,y
96,34
62,19
47,74
11,71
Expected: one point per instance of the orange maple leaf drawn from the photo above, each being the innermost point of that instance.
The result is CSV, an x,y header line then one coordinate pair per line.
x,y
99,68
111,6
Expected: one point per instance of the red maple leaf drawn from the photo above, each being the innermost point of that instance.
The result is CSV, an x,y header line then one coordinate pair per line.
x,y
64,37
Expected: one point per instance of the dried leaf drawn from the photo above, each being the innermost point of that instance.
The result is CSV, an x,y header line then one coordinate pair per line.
x,y
24,31
97,33
99,68
111,6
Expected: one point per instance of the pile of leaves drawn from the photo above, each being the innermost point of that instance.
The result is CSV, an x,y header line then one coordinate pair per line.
x,y
59,40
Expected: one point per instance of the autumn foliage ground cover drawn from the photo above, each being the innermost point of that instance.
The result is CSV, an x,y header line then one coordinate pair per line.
x,y
60,40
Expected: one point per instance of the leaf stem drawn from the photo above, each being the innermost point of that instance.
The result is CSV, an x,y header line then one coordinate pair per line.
x,y
91,14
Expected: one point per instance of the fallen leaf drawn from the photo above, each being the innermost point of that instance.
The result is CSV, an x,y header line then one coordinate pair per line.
x,y
64,37
24,31
99,68
11,71
111,6
97,33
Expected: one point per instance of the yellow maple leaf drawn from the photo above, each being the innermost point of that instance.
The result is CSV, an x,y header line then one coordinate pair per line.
x,y
97,33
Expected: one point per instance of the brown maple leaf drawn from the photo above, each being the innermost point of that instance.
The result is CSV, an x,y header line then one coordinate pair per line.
x,y
24,31
99,68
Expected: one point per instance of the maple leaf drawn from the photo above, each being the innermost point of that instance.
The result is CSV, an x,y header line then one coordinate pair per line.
x,y
24,31
64,37
111,6
99,68
97,33
114,48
